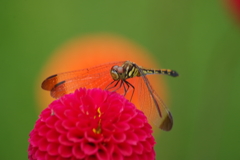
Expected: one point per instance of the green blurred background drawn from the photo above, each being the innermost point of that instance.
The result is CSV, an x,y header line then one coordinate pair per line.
x,y
197,38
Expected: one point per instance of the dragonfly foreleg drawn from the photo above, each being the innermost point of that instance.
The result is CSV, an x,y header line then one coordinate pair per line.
x,y
130,85
109,85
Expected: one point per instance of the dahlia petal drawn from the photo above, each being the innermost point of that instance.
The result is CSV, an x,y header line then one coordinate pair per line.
x,y
98,96
89,148
142,135
80,93
32,152
123,126
143,157
75,135
125,149
138,148
45,114
131,138
65,151
34,139
67,124
93,137
102,154
64,140
136,122
53,149
128,114
117,156
42,130
51,120
133,157
107,128
43,144
88,107
61,158
150,155
151,141
84,125
70,113
77,152
40,155
59,127
58,111
108,146
116,105
119,137
49,157
147,146
125,117
52,135
92,157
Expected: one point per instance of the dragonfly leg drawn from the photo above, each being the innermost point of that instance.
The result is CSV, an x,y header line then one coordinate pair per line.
x,y
125,88
115,87
109,85
130,85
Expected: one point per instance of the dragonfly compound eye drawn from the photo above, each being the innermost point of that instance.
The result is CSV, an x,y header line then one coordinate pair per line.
x,y
114,74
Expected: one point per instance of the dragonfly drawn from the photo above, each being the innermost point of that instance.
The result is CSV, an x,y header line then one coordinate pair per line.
x,y
122,77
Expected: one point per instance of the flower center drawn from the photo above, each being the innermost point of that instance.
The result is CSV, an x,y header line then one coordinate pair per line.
x,y
98,129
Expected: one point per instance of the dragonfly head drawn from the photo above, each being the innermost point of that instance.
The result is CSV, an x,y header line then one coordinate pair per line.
x,y
117,72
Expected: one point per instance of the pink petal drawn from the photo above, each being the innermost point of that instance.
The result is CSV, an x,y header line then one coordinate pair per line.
x,y
122,126
53,149
117,156
147,146
51,120
77,152
98,96
125,149
119,137
132,138
65,151
142,135
52,135
49,157
89,148
40,155
45,114
64,140
43,144
138,148
136,122
75,135
34,139
42,130
92,157
102,154
93,137
59,127
108,146
67,124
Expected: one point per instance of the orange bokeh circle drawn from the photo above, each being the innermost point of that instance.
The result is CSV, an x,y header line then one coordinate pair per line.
x,y
93,50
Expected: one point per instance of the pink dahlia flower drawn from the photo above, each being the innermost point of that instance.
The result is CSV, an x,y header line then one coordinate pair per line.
x,y
91,124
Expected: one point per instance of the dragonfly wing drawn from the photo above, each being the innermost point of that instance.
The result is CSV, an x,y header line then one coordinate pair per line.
x,y
152,105
67,82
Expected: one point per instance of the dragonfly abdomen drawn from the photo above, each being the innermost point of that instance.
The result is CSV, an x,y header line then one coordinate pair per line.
x,y
160,71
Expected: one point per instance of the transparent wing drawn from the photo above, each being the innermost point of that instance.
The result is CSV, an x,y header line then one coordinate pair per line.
x,y
152,105
67,82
